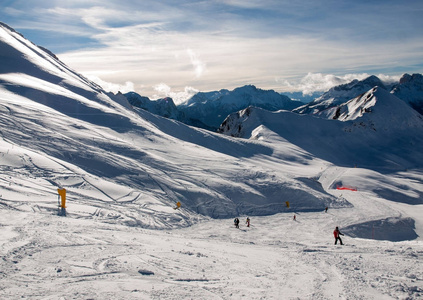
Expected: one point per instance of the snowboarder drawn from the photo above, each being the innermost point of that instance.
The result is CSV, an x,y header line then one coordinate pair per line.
x,y
248,222
336,234
236,222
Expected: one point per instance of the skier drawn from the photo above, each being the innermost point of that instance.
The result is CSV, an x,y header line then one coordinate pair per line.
x,y
248,222
295,218
326,209
336,234
236,222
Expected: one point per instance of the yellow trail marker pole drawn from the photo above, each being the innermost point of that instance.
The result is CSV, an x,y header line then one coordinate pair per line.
x,y
62,194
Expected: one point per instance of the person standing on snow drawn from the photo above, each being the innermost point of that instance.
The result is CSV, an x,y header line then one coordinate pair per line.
x,y
248,222
336,234
236,222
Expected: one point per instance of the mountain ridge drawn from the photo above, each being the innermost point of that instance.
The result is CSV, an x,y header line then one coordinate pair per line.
x,y
208,109
374,123
409,89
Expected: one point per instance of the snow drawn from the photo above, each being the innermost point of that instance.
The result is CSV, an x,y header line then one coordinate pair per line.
x,y
51,257
125,170
339,94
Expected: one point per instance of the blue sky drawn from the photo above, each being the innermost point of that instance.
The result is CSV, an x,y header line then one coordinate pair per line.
x,y
174,48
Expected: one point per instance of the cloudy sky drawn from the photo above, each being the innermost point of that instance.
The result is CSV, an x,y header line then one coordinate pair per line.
x,y
174,48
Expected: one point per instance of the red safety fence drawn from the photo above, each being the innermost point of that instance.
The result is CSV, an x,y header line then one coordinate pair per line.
x,y
348,188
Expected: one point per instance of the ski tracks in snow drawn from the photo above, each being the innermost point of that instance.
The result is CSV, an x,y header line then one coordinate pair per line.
x,y
276,258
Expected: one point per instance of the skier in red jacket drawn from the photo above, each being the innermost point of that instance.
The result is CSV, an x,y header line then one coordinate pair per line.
x,y
336,234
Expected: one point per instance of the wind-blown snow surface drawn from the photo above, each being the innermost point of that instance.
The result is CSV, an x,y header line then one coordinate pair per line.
x,y
124,171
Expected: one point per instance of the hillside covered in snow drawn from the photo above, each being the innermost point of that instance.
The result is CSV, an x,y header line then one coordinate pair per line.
x,y
86,137
408,89
124,170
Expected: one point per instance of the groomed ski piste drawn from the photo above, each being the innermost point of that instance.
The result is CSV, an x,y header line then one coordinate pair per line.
x,y
51,257
124,171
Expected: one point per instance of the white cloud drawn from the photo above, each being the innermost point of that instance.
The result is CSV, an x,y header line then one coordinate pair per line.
x,y
139,43
243,3
163,90
198,65
13,12
318,82
389,78
112,87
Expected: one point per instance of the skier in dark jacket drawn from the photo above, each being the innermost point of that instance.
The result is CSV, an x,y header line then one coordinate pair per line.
x,y
236,222
336,234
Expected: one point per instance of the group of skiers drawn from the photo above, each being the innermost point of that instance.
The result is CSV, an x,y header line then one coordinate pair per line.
x,y
336,233
236,222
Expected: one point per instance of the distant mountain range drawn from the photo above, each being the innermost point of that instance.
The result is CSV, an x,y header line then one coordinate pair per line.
x,y
409,89
301,97
208,110
373,129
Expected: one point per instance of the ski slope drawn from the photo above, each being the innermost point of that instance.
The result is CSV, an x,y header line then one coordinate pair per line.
x,y
51,257
125,169
122,241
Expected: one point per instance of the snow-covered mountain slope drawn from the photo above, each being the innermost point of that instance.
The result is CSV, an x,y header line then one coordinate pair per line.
x,y
212,108
38,75
340,94
376,106
54,136
388,137
410,89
